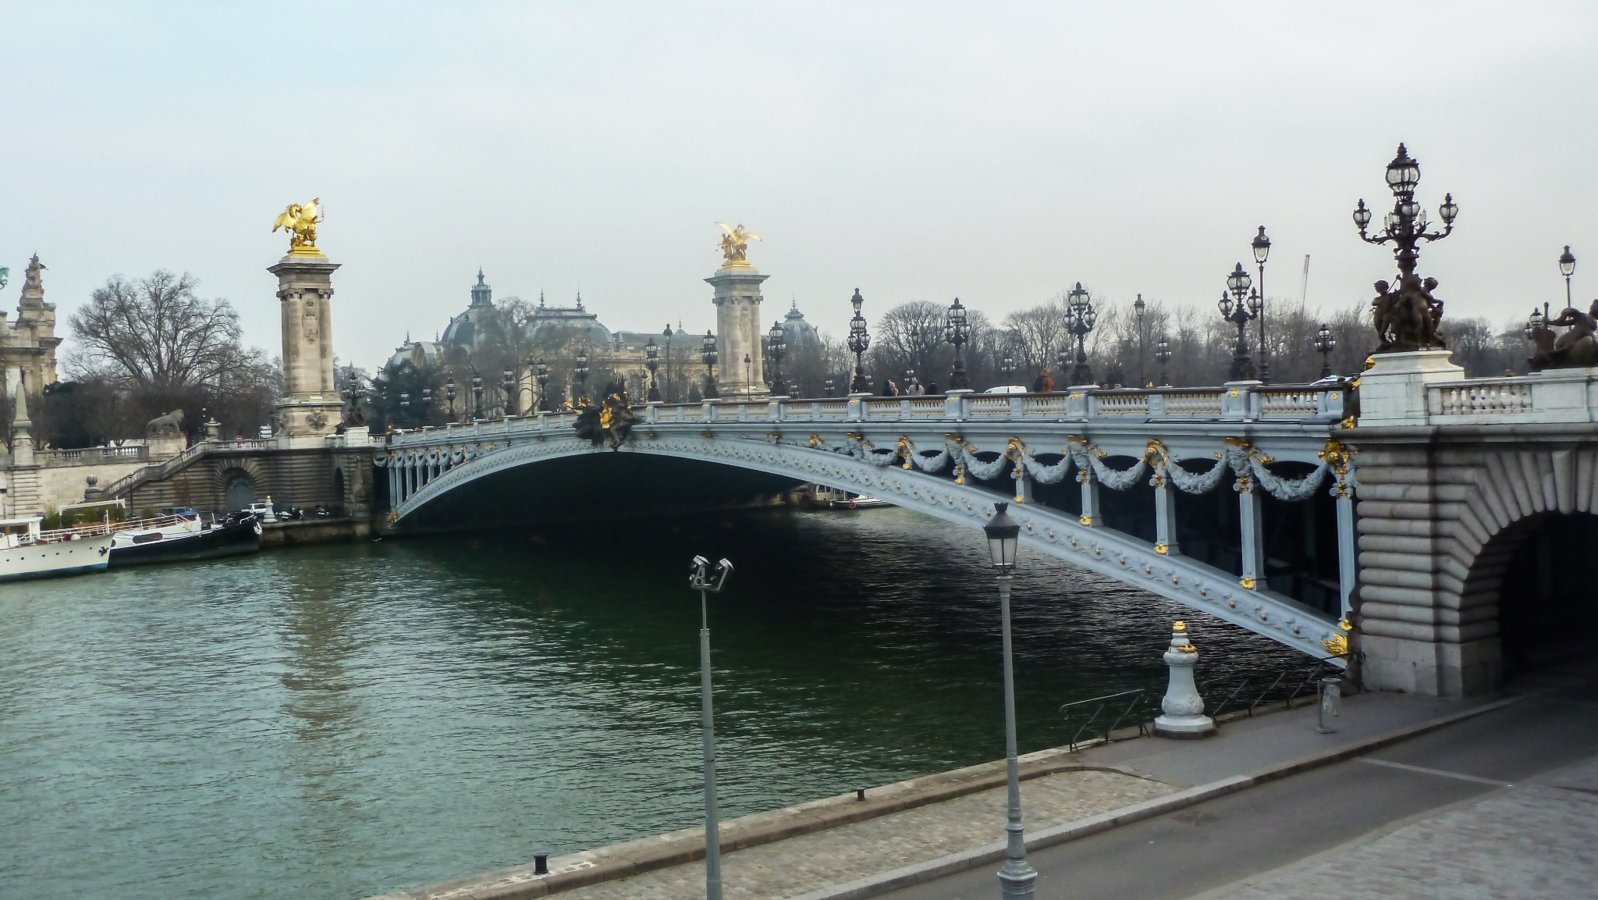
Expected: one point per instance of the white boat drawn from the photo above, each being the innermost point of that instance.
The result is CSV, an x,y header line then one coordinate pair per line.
x,y
835,498
26,551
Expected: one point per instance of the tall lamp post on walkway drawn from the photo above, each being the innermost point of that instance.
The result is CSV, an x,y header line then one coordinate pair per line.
x,y
708,583
1567,268
1017,877
1262,249
543,386
1162,355
1139,308
776,349
652,362
957,330
668,333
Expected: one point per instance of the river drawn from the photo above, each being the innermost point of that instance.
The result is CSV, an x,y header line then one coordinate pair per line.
x,y
344,720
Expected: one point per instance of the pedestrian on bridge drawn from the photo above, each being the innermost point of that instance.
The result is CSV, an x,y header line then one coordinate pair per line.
x,y
1044,383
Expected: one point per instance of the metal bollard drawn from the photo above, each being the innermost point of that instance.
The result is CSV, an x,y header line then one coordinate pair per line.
x,y
1331,703
541,862
860,793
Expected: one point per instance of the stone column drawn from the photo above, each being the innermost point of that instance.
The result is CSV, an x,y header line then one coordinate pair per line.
x,y
310,407
738,332
1183,706
1090,497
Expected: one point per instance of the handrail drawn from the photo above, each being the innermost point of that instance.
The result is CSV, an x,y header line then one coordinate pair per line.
x,y
160,470
1136,705
1296,680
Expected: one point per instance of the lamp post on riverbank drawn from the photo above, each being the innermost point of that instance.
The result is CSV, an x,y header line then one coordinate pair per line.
x,y
708,583
1017,877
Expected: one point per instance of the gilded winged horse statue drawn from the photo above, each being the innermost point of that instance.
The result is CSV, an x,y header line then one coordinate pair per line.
x,y
735,244
299,220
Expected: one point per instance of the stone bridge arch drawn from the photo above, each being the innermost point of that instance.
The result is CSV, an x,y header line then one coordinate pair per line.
x,y
432,477
1478,551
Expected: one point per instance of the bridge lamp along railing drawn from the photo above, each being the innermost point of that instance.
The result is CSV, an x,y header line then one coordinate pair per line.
x,y
1325,343
1080,317
1016,877
1567,268
1405,227
1139,309
1262,250
508,382
776,348
1162,355
652,362
449,396
702,579
748,383
668,334
957,330
859,343
707,355
1239,306
427,405
541,372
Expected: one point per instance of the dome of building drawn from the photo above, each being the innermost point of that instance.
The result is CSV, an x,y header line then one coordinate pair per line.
x,y
552,327
418,353
464,330
800,335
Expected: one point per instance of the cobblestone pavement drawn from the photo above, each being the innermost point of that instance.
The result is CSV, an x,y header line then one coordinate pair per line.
x,y
1531,841
836,855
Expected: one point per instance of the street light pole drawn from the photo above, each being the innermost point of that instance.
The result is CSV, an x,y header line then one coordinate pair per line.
x,y
748,386
1162,355
668,334
708,583
1262,249
1016,878
1138,309
957,330
1239,312
859,342
1080,317
1325,343
1567,268
708,354
652,362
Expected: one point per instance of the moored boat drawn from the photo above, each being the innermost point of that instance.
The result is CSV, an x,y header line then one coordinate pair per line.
x,y
836,498
183,536
27,551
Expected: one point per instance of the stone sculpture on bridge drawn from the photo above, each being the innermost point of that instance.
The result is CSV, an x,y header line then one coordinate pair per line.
x,y
1408,318
169,425
1576,348
300,220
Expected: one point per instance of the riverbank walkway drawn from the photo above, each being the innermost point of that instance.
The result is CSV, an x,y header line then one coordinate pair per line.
x,y
1502,801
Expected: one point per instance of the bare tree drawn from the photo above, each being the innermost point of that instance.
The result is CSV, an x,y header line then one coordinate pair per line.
x,y
154,338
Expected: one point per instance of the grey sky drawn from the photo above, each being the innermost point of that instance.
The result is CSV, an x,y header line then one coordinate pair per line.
x,y
917,151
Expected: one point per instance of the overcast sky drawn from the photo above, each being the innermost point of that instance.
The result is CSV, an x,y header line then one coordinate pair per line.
x,y
995,152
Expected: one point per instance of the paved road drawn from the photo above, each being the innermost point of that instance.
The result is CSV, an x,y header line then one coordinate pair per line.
x,y
1391,805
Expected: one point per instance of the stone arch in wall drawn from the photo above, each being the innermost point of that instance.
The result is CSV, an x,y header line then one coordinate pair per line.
x,y
1521,566
338,486
238,483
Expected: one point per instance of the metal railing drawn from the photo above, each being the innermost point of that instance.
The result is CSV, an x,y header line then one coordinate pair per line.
x,y
1098,718
1246,693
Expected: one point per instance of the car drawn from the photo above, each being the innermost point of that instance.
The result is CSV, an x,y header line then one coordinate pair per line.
x,y
1006,389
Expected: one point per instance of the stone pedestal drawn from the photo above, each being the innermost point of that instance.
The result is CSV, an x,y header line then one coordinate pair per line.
x,y
1393,391
738,331
311,406
1184,708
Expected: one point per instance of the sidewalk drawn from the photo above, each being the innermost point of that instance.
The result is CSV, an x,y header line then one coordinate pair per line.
x,y
915,831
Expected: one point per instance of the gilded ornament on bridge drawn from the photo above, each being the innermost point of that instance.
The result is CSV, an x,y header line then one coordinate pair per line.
x,y
735,245
1337,644
815,442
611,422
904,450
1246,584
300,220
1162,549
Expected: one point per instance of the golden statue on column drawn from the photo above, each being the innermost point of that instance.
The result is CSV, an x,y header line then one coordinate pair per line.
x,y
300,220
735,244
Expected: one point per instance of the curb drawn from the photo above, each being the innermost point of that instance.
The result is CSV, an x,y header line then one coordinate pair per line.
x,y
1058,834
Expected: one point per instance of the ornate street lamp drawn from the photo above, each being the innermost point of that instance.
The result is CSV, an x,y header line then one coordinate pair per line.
x,y
1407,316
829,387
776,347
427,406
957,330
580,377
1262,249
1567,268
1016,878
1138,310
477,396
748,384
1007,364
1536,323
1239,312
449,394
704,581
405,406
508,381
859,342
1162,354
1080,317
541,369
652,362
707,354
1325,343
667,333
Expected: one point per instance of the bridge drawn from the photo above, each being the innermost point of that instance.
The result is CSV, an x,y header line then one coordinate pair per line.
x,y
1452,522
1094,476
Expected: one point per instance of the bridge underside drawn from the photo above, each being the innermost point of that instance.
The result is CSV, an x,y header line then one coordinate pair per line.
x,y
593,487
563,480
